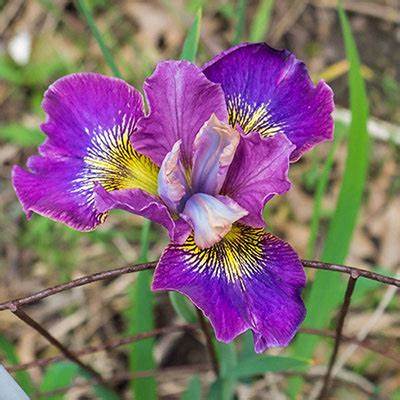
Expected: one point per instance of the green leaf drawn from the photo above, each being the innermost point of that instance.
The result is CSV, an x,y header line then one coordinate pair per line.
x,y
224,386
183,307
247,345
104,393
240,22
21,135
58,376
86,12
260,24
101,391
191,43
141,319
227,357
10,72
321,189
193,391
327,289
260,364
7,349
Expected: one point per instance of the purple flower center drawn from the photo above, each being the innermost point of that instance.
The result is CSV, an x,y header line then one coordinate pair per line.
x,y
193,191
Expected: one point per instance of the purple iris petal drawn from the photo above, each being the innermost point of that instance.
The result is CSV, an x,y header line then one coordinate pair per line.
x,y
181,100
89,120
79,105
211,217
141,203
48,191
269,91
249,280
172,185
258,171
213,151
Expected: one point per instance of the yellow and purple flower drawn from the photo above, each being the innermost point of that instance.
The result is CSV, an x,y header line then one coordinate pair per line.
x,y
214,147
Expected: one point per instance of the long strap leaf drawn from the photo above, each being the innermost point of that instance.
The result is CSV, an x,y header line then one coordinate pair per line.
x,y
327,289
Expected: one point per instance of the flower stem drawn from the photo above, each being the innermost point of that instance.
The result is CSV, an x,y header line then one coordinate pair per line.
x,y
209,342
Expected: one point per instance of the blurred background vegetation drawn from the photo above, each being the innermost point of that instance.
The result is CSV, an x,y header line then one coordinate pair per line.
x,y
43,40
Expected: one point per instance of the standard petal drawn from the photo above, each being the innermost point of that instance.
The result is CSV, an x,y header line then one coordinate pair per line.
x,y
258,171
269,91
211,217
213,152
90,119
181,100
172,185
249,280
141,203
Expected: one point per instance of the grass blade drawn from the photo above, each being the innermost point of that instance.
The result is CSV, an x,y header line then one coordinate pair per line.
x,y
58,376
241,21
321,189
85,10
327,291
21,135
191,43
183,307
7,350
193,391
260,24
101,392
141,319
260,364
224,386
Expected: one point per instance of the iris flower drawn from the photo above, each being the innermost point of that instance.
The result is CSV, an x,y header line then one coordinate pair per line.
x,y
213,148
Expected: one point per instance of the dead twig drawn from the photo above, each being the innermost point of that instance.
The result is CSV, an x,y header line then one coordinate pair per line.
x,y
115,343
112,344
51,339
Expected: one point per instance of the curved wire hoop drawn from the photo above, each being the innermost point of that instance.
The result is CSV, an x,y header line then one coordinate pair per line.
x,y
15,306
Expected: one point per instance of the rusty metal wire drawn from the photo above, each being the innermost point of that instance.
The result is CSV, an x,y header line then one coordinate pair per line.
x,y
112,273
15,305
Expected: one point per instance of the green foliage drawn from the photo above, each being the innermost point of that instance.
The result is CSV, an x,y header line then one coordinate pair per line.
x,y
247,366
259,26
86,12
259,364
141,319
193,391
183,307
191,43
58,376
224,386
101,392
240,21
327,290
7,350
21,135
321,189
